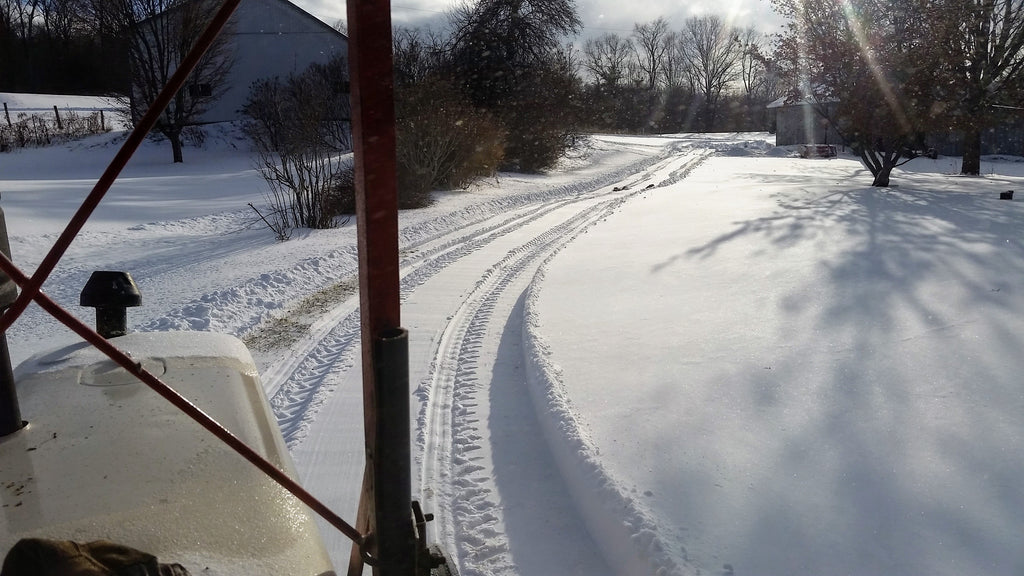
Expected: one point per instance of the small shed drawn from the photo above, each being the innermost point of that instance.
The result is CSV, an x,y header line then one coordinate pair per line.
x,y
801,122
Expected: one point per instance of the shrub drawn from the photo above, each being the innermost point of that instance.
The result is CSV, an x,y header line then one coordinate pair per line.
x,y
340,200
442,141
300,130
540,117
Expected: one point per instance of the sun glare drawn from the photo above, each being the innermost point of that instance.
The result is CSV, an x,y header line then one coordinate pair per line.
x,y
868,53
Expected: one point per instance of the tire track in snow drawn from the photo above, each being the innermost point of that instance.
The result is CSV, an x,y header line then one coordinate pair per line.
x,y
472,501
456,476
300,387
305,388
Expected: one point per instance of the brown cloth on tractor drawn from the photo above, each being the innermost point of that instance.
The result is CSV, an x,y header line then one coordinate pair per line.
x,y
39,557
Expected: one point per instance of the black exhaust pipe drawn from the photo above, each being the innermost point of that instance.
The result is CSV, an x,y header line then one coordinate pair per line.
x,y
10,412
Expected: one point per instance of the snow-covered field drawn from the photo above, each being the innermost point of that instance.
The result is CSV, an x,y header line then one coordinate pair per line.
x,y
673,355
44,103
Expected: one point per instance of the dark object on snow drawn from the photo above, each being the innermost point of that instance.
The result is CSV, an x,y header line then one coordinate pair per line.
x,y
39,557
431,560
817,151
111,294
1008,195
10,412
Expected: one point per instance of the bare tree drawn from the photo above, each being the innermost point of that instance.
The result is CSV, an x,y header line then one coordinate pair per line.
x,y
160,33
300,130
752,68
759,80
865,67
571,59
25,12
980,45
606,58
673,65
60,18
712,59
649,48
418,53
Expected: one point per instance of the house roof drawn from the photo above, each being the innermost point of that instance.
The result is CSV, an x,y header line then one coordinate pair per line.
x,y
789,100
294,7
286,3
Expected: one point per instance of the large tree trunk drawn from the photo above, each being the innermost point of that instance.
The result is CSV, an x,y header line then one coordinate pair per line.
x,y
972,152
882,177
877,163
175,138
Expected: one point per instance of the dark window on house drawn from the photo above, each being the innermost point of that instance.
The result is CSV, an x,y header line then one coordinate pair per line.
x,y
203,90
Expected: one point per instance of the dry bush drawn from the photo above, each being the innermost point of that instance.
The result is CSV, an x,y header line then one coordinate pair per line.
x,y
340,201
300,130
540,117
442,141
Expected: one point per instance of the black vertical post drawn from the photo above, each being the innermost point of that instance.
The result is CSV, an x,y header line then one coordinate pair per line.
x,y
396,543
10,412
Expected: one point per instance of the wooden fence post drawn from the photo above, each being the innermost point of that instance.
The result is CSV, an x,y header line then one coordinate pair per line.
x,y
56,113
7,115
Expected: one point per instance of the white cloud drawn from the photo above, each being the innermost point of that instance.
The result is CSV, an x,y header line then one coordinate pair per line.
x,y
598,16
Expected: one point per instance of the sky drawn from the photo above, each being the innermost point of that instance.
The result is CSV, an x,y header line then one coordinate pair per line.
x,y
599,16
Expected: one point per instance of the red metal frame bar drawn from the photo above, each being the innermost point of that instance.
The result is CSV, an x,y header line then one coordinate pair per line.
x,y
180,402
385,506
131,144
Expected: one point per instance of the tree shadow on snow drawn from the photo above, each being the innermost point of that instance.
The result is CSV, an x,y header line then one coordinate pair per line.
x,y
893,403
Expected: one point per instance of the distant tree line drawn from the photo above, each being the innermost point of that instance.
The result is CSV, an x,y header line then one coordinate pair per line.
x,y
535,84
60,47
125,47
705,77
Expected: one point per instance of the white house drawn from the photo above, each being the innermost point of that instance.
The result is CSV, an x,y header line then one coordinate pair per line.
x,y
271,38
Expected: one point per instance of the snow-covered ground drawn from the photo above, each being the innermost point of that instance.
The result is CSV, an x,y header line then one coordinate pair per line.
x,y
43,104
672,355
